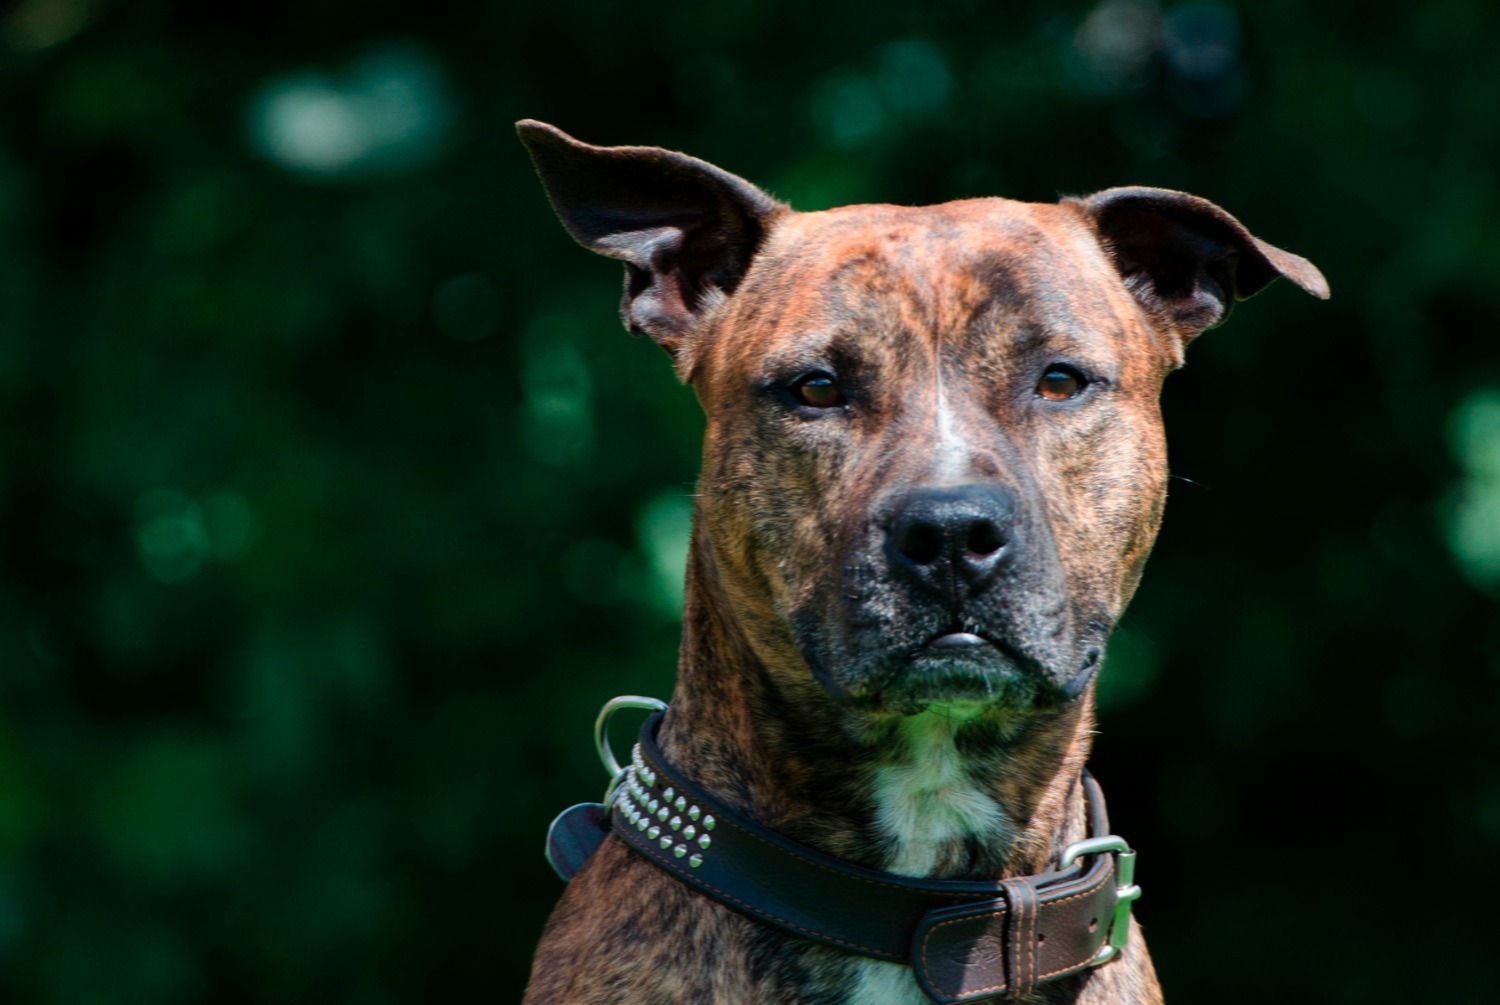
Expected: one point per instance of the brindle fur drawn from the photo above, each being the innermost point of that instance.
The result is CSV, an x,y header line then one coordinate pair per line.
x,y
792,685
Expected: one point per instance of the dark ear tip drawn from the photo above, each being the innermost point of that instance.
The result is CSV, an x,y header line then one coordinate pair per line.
x,y
1296,268
1103,206
541,134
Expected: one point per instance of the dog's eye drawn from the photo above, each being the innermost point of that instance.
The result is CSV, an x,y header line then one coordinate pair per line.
x,y
818,390
1060,383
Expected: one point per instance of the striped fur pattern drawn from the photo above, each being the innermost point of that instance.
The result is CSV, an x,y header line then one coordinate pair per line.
x,y
796,700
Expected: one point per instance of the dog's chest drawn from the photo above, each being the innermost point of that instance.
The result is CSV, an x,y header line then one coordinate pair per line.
x,y
930,810
931,806
877,982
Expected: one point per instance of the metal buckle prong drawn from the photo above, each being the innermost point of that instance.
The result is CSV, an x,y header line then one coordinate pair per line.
x,y
1126,890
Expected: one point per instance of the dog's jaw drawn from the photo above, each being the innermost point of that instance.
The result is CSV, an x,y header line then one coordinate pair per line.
x,y
969,791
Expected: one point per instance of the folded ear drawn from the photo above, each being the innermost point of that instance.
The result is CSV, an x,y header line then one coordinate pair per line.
x,y
685,230
1185,259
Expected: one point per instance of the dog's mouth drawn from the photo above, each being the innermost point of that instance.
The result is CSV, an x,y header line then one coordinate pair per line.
x,y
1025,653
966,669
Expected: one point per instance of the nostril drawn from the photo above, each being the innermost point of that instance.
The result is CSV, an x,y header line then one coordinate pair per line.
x,y
921,543
984,539
944,536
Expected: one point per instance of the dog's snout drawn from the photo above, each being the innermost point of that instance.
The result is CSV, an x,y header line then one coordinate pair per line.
x,y
965,532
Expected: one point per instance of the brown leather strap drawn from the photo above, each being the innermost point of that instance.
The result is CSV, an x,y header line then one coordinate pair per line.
x,y
965,940
1005,948
1020,960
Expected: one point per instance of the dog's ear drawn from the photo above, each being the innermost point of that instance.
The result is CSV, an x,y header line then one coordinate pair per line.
x,y
685,229
1185,259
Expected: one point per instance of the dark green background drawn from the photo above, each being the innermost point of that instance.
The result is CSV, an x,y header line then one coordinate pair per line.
x,y
334,501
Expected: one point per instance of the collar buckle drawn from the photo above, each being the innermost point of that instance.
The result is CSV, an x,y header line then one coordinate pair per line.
x,y
1126,890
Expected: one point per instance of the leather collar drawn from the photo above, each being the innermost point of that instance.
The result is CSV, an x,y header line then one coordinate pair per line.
x,y
965,940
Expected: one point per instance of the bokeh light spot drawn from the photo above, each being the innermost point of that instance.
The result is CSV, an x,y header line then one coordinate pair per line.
x,y
170,536
664,527
914,77
559,418
390,111
1473,524
847,108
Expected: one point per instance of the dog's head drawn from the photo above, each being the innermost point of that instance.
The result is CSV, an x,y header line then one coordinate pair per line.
x,y
934,464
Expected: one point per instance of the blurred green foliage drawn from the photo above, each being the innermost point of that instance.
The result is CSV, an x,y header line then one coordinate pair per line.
x,y
333,502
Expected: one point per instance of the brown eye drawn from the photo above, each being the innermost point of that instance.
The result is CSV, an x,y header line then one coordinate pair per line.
x,y
1060,383
818,390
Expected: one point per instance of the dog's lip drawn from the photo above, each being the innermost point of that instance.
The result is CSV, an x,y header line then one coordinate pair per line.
x,y
973,643
958,640
970,639
962,668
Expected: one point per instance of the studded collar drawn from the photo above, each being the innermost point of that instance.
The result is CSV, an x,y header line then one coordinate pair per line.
x,y
965,940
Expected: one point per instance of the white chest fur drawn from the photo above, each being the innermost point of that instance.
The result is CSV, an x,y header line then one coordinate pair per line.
x,y
877,982
927,806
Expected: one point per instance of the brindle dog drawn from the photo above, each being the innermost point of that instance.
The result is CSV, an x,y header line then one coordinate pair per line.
x,y
933,470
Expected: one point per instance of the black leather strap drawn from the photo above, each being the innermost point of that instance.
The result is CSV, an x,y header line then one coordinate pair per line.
x,y
966,940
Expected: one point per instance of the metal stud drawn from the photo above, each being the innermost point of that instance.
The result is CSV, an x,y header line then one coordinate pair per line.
x,y
708,822
663,813
681,803
680,850
653,806
704,842
675,823
694,812
666,843
690,832
640,823
695,861
654,833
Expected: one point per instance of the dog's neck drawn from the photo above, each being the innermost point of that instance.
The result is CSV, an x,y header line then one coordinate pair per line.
x,y
923,795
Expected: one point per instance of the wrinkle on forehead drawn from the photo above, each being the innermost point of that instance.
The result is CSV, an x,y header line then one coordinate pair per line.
x,y
944,274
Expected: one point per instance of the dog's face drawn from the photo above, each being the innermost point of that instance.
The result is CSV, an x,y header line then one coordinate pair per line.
x,y
934,447
934,464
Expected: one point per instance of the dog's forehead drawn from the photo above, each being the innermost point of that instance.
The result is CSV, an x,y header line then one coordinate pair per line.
x,y
931,272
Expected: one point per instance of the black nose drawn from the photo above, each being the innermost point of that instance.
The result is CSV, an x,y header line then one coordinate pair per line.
x,y
966,532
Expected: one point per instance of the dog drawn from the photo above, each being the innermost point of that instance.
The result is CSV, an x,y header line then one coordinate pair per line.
x,y
933,469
